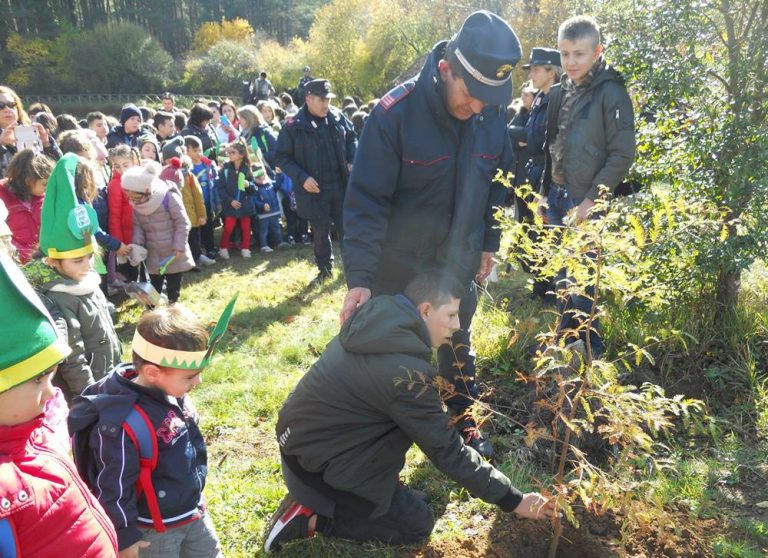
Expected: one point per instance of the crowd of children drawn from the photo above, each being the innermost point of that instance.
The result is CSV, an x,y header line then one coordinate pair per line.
x,y
135,487
216,157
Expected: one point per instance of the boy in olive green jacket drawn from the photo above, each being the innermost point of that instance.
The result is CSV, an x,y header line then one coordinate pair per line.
x,y
590,143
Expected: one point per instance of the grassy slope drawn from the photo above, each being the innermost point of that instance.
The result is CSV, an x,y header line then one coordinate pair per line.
x,y
279,328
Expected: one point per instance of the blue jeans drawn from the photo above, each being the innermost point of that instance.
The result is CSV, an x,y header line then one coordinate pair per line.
x,y
559,204
269,225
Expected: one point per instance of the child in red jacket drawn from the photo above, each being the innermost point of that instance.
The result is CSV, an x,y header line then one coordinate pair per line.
x,y
46,510
121,158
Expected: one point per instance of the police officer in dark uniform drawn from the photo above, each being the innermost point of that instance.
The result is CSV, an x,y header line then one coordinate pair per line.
x,y
315,149
301,87
422,194
544,70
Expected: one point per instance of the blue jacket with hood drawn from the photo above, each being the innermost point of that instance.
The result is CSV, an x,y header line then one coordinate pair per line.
x,y
112,466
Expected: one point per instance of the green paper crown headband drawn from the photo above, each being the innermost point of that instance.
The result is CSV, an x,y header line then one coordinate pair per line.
x,y
186,360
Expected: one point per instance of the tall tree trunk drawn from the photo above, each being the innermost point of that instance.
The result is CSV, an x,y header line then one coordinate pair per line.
x,y
728,284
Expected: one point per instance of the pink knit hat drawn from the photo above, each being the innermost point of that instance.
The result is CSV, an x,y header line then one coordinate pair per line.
x,y
172,171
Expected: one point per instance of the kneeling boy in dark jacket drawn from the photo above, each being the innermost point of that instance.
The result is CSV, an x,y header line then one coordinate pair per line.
x,y
137,443
345,430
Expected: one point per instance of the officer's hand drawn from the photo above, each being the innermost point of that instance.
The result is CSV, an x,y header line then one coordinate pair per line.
x,y
266,207
582,210
541,208
486,265
311,186
133,550
535,506
355,297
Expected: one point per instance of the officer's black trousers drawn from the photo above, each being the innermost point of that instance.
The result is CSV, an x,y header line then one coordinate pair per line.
x,y
456,362
332,209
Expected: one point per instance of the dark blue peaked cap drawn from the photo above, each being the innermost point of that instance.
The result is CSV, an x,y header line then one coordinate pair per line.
x,y
488,50
541,56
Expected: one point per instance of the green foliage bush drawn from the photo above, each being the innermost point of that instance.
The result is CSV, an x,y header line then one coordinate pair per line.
x,y
221,68
123,58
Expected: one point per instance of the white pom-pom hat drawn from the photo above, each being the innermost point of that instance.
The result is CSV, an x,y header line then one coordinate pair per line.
x,y
144,178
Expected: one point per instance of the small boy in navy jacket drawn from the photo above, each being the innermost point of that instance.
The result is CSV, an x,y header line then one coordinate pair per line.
x,y
165,516
268,210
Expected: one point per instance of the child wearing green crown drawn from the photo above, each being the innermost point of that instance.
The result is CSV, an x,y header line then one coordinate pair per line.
x,y
44,505
66,276
139,415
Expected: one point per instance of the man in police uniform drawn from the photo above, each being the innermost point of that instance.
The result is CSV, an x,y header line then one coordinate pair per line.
x,y
315,149
301,88
422,194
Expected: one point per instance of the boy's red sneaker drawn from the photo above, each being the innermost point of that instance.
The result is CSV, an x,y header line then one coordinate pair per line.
x,y
290,522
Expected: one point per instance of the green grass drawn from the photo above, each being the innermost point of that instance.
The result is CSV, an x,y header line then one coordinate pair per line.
x,y
725,548
280,327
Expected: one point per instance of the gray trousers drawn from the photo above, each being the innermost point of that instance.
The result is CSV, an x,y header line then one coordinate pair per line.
x,y
194,540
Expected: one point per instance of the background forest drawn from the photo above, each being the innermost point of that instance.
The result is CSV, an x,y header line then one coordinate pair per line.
x,y
210,46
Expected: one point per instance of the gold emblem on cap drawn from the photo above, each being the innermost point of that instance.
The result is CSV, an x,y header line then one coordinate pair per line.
x,y
504,70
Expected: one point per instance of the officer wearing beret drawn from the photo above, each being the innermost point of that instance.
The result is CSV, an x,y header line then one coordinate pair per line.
x,y
422,194
315,149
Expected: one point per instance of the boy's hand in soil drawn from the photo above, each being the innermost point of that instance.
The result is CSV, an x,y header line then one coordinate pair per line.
x,y
535,506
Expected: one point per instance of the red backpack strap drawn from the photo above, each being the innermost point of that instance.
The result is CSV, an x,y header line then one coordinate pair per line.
x,y
141,432
9,543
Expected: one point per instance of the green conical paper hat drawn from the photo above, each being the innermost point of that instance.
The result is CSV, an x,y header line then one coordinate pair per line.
x,y
67,227
29,344
186,360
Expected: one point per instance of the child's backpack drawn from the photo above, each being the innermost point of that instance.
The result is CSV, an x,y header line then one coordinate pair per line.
x,y
139,429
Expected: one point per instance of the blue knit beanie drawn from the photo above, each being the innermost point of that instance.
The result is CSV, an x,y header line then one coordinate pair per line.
x,y
128,111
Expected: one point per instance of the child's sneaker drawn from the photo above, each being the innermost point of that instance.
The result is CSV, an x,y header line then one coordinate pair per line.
x,y
205,260
246,253
266,249
305,240
290,522
224,254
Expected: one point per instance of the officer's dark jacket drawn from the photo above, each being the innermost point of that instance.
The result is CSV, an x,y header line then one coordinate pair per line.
x,y
536,132
422,191
517,134
352,420
298,155
600,143
113,468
